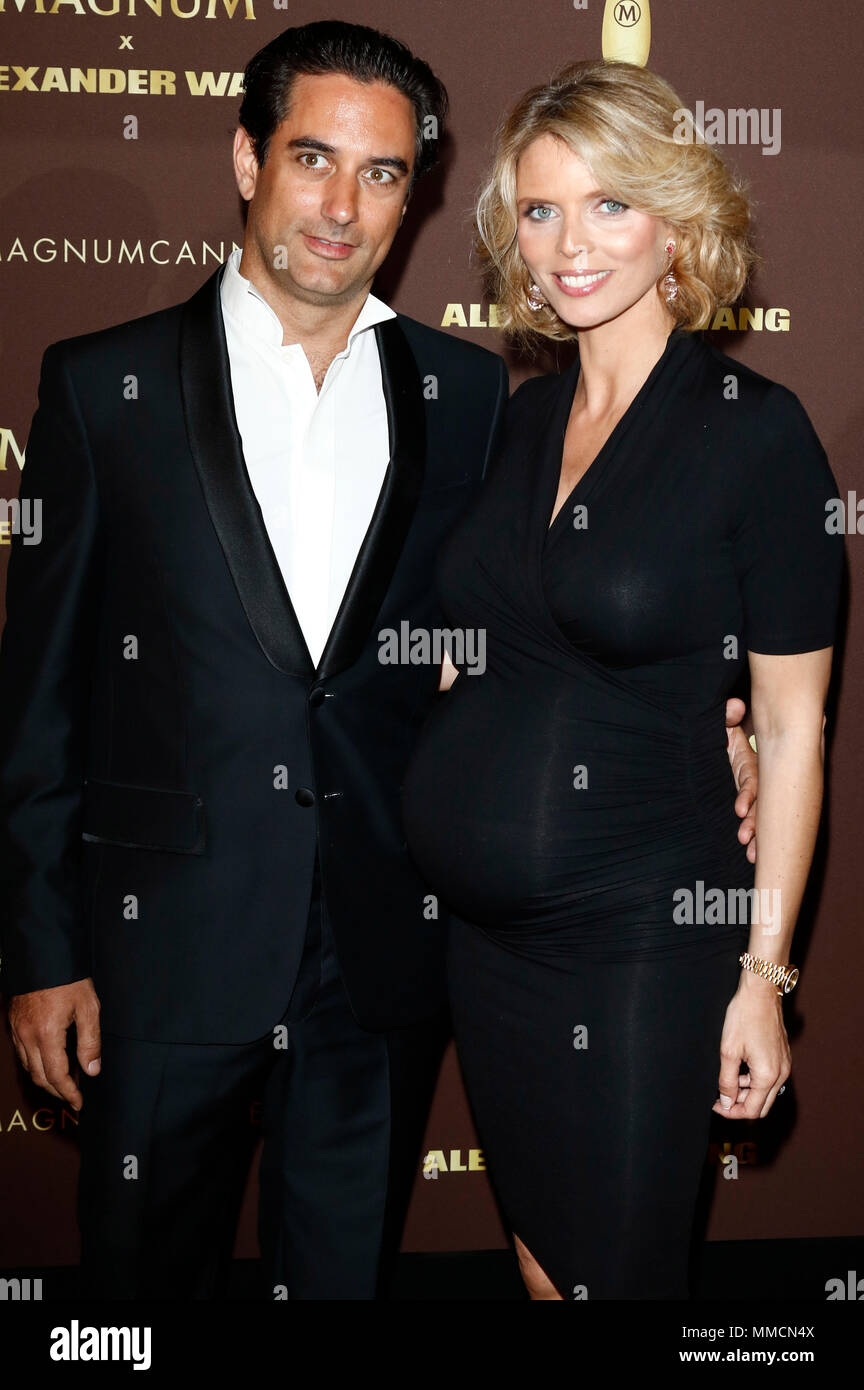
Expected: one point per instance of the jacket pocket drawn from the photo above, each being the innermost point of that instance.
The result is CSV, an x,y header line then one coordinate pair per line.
x,y
118,813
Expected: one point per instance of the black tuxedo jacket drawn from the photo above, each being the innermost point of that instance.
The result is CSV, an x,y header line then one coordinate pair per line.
x,y
170,754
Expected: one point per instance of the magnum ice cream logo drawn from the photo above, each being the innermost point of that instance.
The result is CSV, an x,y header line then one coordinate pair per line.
x,y
180,9
627,31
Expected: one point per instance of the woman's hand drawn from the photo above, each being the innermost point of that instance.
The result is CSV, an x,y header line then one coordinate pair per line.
x,y
448,673
753,1032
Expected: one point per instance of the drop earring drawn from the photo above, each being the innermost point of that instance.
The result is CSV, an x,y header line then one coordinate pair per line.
x,y
670,284
535,298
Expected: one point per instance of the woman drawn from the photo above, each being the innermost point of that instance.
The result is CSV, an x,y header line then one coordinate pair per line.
x,y
656,517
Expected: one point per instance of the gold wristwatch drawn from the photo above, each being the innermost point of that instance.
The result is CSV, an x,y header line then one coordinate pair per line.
x,y
784,976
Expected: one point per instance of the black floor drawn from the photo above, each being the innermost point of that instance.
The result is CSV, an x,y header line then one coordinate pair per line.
x,y
748,1271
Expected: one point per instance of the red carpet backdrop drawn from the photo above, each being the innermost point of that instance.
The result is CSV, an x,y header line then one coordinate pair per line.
x,y
118,198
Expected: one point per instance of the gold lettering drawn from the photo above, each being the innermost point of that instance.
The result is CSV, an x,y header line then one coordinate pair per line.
x,y
777,320
83,79
54,81
724,318
163,80
749,318
211,84
114,7
112,80
230,6
757,318
7,442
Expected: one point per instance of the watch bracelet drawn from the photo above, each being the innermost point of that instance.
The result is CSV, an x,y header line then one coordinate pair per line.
x,y
770,970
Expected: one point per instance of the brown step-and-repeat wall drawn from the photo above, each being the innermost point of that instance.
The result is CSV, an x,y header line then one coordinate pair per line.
x,y
117,198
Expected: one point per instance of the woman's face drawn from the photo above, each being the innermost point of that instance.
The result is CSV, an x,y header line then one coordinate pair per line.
x,y
593,258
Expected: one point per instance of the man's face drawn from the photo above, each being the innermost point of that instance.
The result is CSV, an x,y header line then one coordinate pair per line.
x,y
325,207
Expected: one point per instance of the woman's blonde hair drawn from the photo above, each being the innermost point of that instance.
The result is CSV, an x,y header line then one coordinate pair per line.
x,y
622,121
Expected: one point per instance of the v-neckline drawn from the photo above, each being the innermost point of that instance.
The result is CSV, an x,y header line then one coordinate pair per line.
x,y
569,383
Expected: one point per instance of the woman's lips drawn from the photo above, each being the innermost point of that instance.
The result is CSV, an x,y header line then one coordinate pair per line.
x,y
581,282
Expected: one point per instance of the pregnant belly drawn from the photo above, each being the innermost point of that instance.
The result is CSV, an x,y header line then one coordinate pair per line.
x,y
574,806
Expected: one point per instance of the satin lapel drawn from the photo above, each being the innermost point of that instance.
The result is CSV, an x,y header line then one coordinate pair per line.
x,y
383,542
211,426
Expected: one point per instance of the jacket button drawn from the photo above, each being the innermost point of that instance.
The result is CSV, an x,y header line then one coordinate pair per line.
x,y
317,696
304,797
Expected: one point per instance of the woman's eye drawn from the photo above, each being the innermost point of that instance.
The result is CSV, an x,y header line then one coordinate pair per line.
x,y
539,208
614,205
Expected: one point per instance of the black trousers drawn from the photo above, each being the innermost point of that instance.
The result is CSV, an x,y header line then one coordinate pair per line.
x,y
166,1142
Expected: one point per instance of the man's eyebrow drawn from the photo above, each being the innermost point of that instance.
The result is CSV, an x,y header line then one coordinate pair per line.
x,y
309,142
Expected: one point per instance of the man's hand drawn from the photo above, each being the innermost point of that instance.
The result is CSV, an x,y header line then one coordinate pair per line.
x,y
744,764
39,1022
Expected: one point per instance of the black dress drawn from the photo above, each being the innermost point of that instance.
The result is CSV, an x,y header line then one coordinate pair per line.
x,y
573,803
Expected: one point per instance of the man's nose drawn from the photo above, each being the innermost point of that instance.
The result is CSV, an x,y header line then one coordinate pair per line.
x,y
340,200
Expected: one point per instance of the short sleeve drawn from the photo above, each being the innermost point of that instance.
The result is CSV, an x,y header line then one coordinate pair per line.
x,y
788,555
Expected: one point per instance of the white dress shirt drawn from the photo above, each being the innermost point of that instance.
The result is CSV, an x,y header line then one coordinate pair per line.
x,y
316,460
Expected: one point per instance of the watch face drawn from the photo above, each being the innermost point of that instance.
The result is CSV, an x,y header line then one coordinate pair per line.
x,y
791,980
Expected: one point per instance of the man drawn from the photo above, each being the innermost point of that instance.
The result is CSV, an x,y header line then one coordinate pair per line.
x,y
202,750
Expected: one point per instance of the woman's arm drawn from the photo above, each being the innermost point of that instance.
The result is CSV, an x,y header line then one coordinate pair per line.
x,y
788,699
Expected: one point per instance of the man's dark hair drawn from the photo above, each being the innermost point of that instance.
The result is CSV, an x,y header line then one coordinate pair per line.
x,y
365,54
